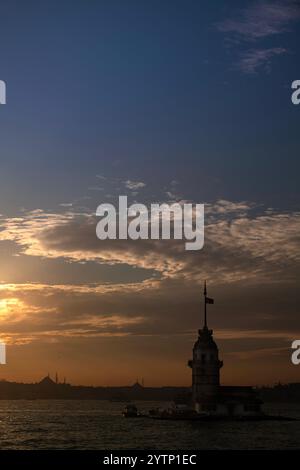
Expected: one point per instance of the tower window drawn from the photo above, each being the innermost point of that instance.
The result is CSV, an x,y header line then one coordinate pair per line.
x,y
203,357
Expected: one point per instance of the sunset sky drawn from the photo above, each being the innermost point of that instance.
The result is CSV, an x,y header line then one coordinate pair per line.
x,y
160,101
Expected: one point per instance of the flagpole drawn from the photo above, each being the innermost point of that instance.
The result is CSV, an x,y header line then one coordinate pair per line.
x,y
205,319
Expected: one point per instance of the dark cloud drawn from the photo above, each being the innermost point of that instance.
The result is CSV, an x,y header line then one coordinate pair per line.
x,y
255,23
259,59
262,19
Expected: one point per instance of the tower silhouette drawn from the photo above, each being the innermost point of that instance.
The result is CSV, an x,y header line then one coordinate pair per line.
x,y
205,364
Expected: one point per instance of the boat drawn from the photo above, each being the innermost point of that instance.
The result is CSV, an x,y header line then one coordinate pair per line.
x,y
131,411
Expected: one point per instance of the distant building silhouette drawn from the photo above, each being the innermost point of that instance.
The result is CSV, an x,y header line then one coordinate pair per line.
x,y
137,386
46,382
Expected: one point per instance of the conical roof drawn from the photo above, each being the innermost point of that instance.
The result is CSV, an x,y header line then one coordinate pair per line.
x,y
205,340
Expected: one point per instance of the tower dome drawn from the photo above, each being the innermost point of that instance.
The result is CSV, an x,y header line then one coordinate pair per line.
x,y
205,340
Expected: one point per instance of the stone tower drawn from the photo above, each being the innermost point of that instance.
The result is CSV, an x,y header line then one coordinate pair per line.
x,y
205,364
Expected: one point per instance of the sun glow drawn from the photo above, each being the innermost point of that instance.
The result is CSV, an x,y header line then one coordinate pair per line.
x,y
8,307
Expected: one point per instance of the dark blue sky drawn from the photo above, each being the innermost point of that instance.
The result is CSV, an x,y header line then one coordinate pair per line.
x,y
151,91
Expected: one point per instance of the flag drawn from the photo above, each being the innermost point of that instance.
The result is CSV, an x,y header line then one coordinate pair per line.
x,y
208,300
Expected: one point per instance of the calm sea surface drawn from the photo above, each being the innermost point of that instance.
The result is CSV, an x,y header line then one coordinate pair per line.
x,y
59,424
